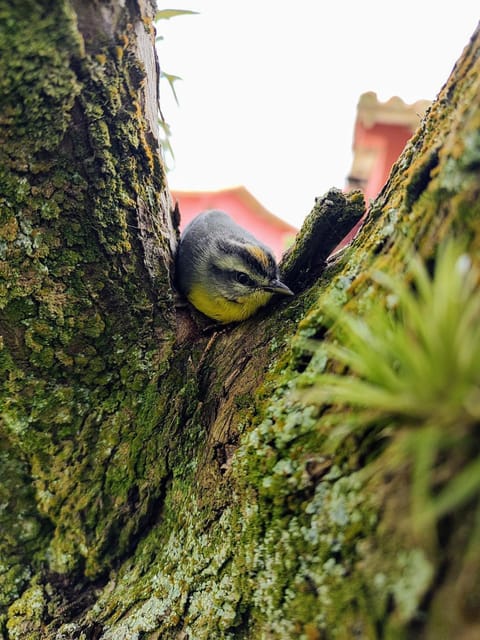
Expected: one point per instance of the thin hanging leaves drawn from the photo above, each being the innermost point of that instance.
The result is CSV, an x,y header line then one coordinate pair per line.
x,y
166,14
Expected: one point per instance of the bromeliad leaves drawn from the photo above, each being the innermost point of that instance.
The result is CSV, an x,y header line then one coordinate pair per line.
x,y
413,360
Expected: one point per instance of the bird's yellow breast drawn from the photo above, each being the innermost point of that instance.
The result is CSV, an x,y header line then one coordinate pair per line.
x,y
223,310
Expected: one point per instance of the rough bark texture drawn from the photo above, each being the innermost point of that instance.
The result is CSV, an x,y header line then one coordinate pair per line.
x,y
163,482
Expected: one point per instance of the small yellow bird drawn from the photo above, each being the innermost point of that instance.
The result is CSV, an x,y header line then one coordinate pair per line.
x,y
223,270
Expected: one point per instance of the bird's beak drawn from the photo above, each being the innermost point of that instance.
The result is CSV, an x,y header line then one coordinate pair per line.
x,y
275,286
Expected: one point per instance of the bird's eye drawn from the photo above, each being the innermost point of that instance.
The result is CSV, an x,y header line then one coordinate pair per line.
x,y
242,278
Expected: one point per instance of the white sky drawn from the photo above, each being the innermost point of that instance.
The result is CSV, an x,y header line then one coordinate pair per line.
x,y
269,88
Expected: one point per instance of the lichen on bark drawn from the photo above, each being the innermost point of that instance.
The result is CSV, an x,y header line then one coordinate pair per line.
x,y
81,325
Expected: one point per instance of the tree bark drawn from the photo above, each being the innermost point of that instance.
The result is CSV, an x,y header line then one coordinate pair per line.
x,y
163,481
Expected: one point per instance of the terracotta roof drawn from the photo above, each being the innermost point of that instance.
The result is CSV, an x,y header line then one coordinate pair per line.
x,y
246,198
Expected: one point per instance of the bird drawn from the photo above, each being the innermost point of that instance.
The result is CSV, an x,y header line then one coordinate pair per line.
x,y
223,270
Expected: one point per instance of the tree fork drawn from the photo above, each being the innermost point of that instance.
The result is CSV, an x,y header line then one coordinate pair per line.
x,y
164,483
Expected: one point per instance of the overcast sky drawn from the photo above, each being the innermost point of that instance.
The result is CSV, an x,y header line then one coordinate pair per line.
x,y
269,88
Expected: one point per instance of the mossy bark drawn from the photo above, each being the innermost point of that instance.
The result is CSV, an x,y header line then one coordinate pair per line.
x,y
159,481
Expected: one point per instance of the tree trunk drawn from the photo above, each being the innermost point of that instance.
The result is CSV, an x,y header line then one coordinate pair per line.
x,y
163,481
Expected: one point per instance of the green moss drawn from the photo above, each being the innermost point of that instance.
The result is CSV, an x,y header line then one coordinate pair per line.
x,y
332,217
24,531
69,199
26,615
26,94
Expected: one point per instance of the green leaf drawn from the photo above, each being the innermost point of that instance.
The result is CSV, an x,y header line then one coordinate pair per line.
x,y
166,14
463,487
171,79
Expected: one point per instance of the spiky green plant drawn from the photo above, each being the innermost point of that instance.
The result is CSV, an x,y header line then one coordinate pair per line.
x,y
414,360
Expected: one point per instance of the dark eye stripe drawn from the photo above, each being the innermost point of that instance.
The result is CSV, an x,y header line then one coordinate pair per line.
x,y
267,268
242,278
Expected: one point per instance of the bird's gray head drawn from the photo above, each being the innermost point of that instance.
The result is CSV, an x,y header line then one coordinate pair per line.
x,y
224,270
238,267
